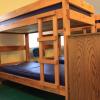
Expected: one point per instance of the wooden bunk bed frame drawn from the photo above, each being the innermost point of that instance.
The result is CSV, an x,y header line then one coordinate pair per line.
x,y
74,13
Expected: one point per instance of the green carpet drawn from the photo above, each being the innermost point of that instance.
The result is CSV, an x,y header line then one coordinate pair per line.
x,y
12,91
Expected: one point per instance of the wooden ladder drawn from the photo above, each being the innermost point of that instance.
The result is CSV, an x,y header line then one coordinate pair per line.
x,y
45,38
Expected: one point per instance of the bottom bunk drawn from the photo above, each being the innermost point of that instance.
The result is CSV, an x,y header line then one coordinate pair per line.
x,y
83,70
28,73
32,70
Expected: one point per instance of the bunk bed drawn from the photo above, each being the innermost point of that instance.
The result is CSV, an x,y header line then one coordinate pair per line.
x,y
97,17
60,16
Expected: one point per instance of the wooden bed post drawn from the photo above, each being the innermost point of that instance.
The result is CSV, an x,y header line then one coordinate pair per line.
x,y
93,28
27,47
41,50
66,30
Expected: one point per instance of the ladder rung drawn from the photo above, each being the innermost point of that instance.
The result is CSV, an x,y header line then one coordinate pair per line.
x,y
48,61
47,38
46,15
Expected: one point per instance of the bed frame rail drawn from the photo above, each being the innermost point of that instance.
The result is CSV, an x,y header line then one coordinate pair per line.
x,y
11,48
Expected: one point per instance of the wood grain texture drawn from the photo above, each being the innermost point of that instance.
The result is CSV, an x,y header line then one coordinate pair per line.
x,y
84,67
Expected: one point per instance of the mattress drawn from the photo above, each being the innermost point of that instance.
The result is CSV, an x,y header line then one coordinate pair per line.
x,y
32,70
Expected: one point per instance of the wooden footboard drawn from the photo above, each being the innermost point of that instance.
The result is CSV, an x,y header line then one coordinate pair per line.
x,y
84,67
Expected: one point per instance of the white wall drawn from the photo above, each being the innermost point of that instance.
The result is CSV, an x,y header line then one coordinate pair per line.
x,y
96,4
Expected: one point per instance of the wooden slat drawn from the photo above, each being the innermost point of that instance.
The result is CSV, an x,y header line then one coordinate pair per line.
x,y
45,15
44,3
47,38
81,17
11,48
48,61
80,28
41,53
27,47
56,51
34,83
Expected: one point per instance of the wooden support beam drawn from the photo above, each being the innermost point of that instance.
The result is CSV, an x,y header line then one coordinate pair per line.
x,y
11,48
34,83
41,53
56,51
48,61
27,47
80,28
47,38
93,27
66,30
73,15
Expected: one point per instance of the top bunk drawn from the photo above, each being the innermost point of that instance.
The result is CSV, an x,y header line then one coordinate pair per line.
x,y
25,19
97,17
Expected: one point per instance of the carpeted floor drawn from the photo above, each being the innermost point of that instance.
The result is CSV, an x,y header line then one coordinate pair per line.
x,y
12,91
